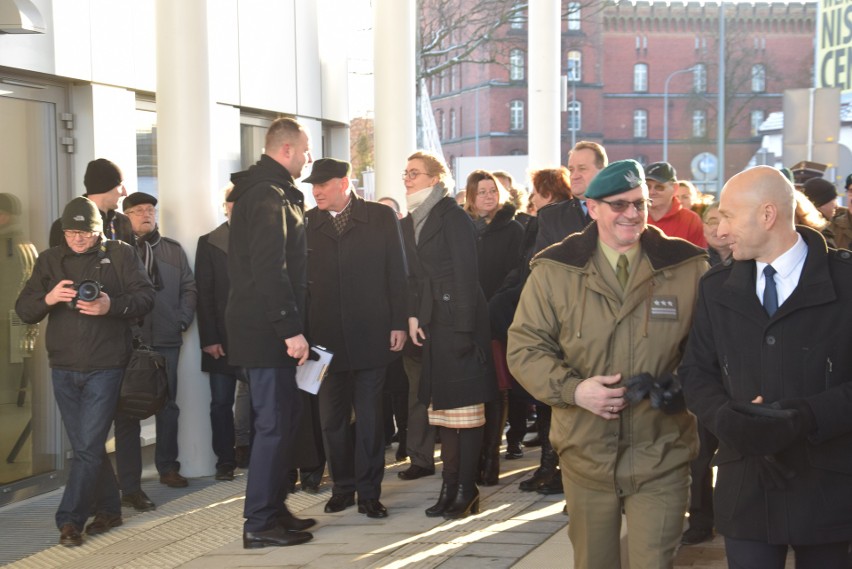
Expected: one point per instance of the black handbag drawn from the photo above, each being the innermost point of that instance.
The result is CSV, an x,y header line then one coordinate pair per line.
x,y
145,385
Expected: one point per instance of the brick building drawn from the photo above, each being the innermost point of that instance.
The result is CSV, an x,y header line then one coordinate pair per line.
x,y
617,57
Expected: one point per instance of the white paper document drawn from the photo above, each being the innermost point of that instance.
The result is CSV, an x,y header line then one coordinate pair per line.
x,y
310,374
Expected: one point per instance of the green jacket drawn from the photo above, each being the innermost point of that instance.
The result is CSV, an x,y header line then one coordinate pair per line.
x,y
572,323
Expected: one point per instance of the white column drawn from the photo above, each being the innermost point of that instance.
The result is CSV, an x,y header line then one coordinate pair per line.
x,y
544,54
394,29
186,179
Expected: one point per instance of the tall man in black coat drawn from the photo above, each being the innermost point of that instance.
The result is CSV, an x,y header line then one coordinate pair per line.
x,y
768,370
264,319
357,287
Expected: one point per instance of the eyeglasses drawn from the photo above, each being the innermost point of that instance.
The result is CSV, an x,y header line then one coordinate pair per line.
x,y
491,192
411,174
141,211
72,234
620,206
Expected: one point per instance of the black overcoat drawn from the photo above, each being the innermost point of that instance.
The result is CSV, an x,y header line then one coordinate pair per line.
x,y
736,351
498,249
557,221
446,298
357,285
267,255
211,278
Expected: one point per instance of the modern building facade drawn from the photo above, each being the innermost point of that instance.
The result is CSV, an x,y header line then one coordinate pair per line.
x,y
622,61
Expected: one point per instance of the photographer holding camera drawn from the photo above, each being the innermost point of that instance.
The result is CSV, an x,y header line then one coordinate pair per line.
x,y
88,345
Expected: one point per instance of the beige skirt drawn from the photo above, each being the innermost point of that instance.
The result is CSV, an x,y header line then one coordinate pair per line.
x,y
466,417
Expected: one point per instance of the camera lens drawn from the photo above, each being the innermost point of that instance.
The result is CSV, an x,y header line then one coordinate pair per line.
x,y
88,290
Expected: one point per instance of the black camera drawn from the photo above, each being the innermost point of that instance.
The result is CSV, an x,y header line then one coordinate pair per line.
x,y
87,290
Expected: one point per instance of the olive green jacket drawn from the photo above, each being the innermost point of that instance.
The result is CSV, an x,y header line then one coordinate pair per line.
x,y
574,322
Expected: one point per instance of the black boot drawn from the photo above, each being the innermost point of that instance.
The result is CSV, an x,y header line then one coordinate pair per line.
x,y
495,420
552,486
447,497
465,504
548,468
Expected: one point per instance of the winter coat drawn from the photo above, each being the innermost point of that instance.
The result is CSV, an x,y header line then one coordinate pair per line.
x,y
446,297
559,220
267,255
683,223
357,285
736,352
571,325
211,277
498,249
174,304
76,341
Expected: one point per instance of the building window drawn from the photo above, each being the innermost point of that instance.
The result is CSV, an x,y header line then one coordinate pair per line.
x,y
758,78
575,116
453,124
516,22
575,66
757,118
454,77
699,78
516,115
573,16
441,123
640,77
640,123
516,65
699,124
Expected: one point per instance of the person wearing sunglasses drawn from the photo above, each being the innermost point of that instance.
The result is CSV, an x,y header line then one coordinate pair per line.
x,y
607,308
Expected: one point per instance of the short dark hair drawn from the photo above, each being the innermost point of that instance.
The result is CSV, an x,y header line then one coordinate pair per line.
x,y
601,159
282,131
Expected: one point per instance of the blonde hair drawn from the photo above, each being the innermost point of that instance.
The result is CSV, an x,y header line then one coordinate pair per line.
x,y
435,167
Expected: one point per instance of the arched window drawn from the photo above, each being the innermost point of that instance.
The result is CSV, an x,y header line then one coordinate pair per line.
x,y
640,123
516,65
516,115
640,77
575,66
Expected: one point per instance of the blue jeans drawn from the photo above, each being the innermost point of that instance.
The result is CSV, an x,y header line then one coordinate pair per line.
x,y
87,403
222,387
128,448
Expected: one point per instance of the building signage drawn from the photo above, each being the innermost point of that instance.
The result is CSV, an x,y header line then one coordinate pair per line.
x,y
834,45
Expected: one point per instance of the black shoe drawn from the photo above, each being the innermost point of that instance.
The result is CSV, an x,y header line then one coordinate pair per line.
x,y
447,497
694,536
339,502
275,537
139,501
103,522
224,473
552,486
539,477
513,451
373,508
291,523
466,503
414,472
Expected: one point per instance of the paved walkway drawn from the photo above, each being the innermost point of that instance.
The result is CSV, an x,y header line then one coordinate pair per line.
x,y
200,527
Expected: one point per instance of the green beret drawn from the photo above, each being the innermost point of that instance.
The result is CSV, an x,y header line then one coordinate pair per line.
x,y
616,178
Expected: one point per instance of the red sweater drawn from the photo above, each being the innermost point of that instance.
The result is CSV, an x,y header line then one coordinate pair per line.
x,y
683,223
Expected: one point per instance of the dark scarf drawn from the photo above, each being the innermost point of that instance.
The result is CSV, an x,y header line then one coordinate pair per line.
x,y
145,244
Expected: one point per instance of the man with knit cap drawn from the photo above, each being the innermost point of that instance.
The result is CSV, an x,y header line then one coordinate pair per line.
x,y
823,195
105,187
88,346
162,329
602,353
666,211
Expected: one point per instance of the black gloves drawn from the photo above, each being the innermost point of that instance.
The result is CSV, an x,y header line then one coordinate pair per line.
x,y
758,430
665,393
463,343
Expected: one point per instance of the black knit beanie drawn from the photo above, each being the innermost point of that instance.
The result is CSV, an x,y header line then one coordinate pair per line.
x,y
101,176
81,214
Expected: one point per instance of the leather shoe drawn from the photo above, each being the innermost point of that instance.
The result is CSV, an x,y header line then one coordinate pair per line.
x,y
291,523
275,537
223,473
414,472
513,451
139,501
69,536
103,522
339,502
694,536
173,479
373,508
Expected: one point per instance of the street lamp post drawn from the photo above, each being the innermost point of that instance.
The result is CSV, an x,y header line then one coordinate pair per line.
x,y
666,110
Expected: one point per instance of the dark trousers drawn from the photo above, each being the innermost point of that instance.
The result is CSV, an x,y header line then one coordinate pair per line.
x,y
420,441
222,389
276,406
128,447
701,490
356,461
744,554
87,402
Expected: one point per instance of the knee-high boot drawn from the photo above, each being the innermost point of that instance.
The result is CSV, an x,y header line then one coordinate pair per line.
x,y
467,498
495,420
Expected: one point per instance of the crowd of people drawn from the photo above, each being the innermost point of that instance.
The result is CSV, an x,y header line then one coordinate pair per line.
x,y
649,331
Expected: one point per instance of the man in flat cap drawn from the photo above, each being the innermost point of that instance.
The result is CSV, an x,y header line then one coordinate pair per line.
x,y
597,336
89,344
162,329
666,211
105,187
357,309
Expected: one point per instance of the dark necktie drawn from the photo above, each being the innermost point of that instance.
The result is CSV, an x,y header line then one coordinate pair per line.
x,y
770,293
621,271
